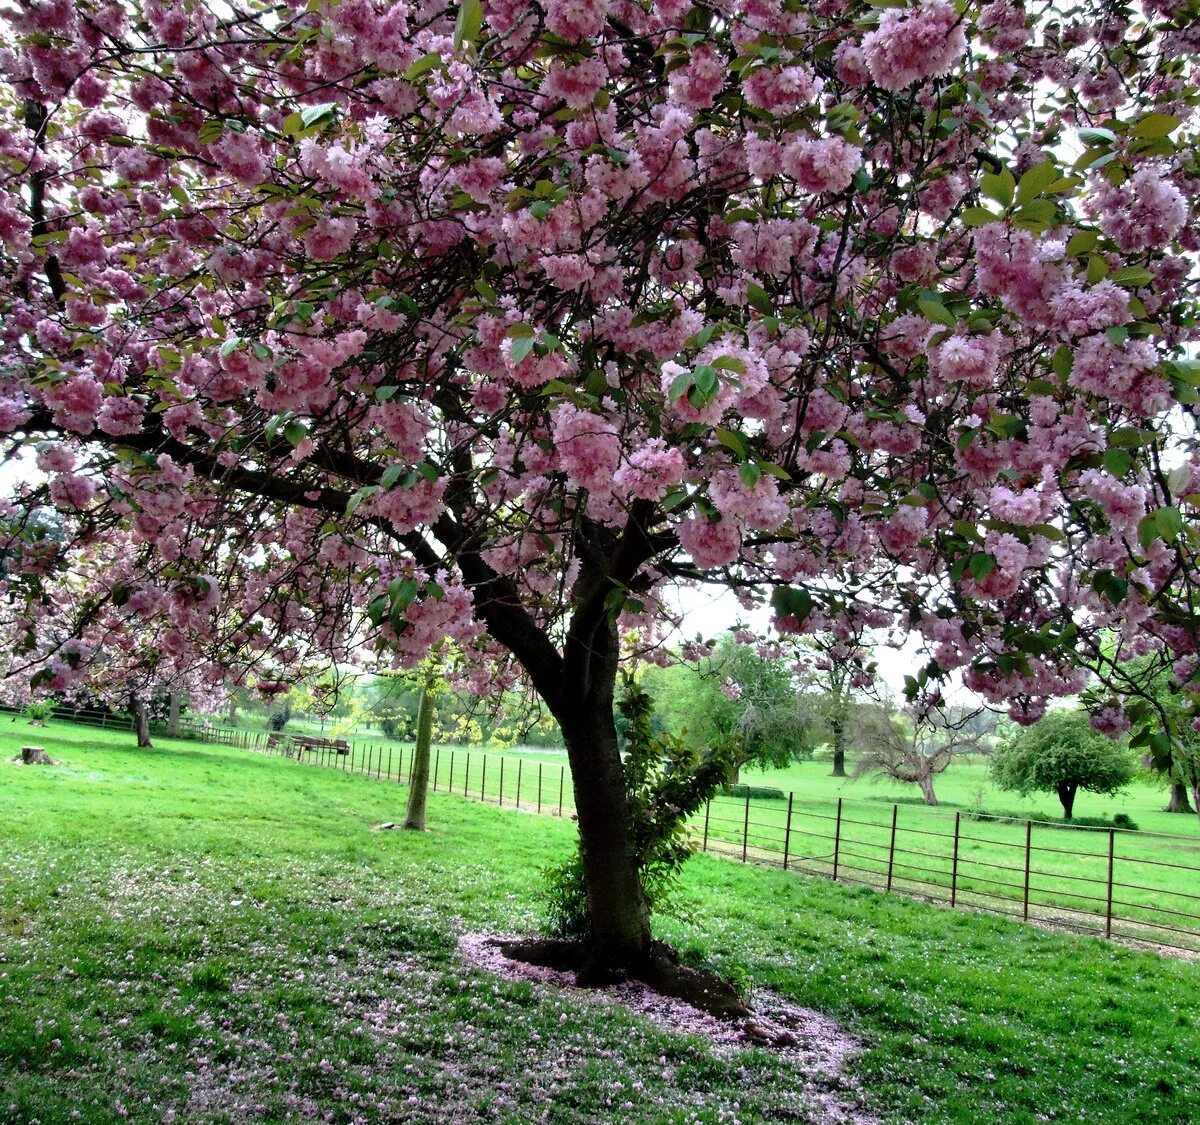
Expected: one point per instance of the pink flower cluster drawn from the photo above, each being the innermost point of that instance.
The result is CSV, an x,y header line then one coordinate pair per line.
x,y
912,44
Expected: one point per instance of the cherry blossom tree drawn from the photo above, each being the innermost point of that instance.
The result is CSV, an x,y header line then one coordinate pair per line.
x,y
413,320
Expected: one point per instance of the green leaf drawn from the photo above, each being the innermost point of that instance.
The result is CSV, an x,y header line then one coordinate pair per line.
x,y
1170,523
1118,461
705,386
1132,276
1097,269
978,216
390,475
519,331
210,131
729,363
759,299
424,64
1097,136
981,564
359,496
377,609
999,186
521,348
1148,529
313,114
469,23
680,385
1036,180
1063,362
788,601
485,290
295,432
1082,243
1155,125
734,441
932,308
385,394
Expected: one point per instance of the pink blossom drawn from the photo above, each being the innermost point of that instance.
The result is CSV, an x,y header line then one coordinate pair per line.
x,y
912,44
70,490
710,542
826,164
1144,213
588,448
651,470
75,403
120,415
966,359
576,86
329,238
574,20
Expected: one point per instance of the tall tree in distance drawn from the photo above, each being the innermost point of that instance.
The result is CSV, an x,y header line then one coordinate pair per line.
x,y
495,321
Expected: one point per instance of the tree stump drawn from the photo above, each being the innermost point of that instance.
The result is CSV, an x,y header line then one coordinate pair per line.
x,y
34,756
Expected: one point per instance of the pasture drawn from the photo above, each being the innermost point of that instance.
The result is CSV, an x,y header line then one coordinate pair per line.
x,y
198,933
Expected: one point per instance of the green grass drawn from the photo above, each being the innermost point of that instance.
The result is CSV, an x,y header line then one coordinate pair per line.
x,y
1156,894
189,930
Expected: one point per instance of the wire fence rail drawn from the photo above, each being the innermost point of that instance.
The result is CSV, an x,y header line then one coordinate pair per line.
x,y
1115,883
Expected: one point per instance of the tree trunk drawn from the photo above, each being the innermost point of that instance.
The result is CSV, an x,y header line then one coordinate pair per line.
x,y
1179,798
618,913
926,783
839,748
1066,794
141,720
418,784
174,708
35,756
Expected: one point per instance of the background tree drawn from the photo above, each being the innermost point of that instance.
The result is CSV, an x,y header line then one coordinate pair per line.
x,y
914,749
739,691
837,665
1062,754
415,321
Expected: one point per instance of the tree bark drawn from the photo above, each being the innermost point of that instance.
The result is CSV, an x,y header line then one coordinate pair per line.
x,y
1179,798
617,907
418,784
35,756
141,720
838,727
1066,794
926,783
174,708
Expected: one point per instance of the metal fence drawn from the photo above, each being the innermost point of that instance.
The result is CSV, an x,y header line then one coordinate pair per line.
x,y
1134,886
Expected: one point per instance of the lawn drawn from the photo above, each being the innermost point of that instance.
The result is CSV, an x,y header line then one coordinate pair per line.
x,y
199,933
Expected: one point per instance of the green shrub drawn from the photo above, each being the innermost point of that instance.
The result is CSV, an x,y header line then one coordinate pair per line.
x,y
758,792
1120,820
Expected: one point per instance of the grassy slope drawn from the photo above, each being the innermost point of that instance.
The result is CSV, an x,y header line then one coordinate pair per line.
x,y
186,929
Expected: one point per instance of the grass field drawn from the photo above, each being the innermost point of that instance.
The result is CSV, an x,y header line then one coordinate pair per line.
x,y
198,933
1155,884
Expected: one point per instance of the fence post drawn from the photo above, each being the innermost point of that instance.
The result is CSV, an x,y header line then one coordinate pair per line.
x,y
450,783
539,796
500,801
370,755
892,847
520,763
837,839
562,777
389,772
787,831
483,780
437,761
954,862
412,755
1112,840
1028,850
467,775
746,826
707,810
379,763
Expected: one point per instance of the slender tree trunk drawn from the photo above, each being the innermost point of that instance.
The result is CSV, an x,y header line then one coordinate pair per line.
x,y
418,784
617,907
839,748
1066,794
174,709
1179,798
926,783
141,720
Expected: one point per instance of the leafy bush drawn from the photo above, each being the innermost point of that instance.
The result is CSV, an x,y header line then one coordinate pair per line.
x,y
1120,820
40,710
758,792
666,781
